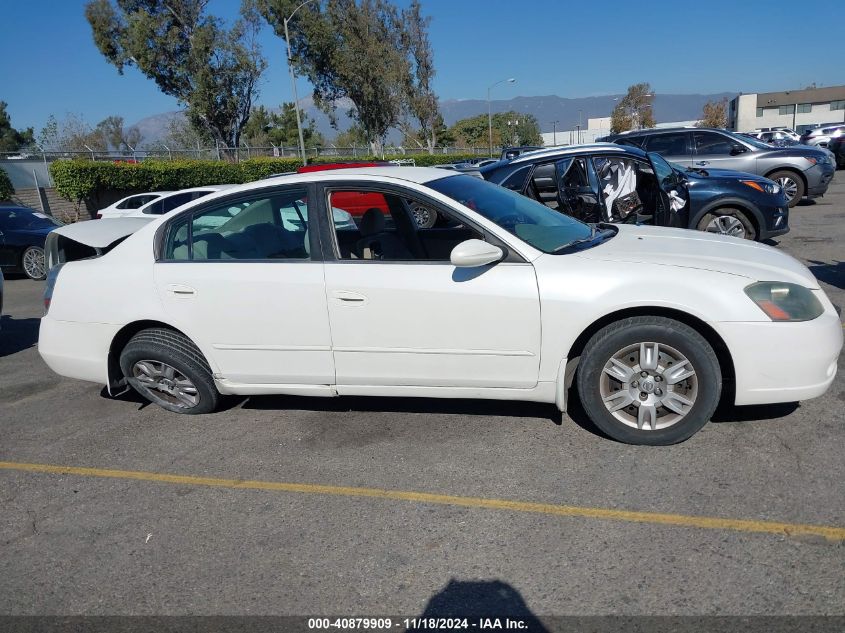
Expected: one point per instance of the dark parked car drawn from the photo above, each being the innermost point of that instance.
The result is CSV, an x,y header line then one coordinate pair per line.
x,y
837,147
605,182
22,235
801,171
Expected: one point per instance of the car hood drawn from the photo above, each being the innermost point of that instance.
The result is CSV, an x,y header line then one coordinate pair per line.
x,y
101,233
42,230
684,248
788,152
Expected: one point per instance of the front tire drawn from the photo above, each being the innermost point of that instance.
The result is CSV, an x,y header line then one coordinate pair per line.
x,y
791,183
33,263
649,380
728,221
166,368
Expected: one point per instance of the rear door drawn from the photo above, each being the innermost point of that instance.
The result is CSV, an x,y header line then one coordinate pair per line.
x,y
242,276
675,147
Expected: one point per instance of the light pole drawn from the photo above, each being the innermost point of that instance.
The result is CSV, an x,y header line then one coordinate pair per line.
x,y
293,82
554,132
490,112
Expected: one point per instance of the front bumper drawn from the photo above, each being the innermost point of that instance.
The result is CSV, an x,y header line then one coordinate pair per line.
x,y
818,179
783,362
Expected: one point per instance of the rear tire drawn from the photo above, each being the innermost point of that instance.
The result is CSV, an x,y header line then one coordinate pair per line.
x,y
166,368
33,263
728,221
791,183
649,380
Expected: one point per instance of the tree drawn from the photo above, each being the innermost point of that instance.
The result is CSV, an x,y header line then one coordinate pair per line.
x,y
11,140
509,128
71,134
714,114
354,49
211,70
634,110
279,128
420,99
115,136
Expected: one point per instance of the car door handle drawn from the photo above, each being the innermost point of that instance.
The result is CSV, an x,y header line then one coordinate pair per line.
x,y
180,290
346,296
703,162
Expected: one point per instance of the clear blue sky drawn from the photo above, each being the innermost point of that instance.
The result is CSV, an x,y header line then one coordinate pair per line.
x,y
49,64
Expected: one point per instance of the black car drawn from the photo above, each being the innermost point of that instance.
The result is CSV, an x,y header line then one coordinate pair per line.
x,y
614,183
837,146
22,235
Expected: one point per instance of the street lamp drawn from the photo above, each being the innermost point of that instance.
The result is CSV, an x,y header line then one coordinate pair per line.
x,y
554,132
490,113
293,82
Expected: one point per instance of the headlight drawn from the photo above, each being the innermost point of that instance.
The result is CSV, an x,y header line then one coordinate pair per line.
x,y
785,302
768,187
816,160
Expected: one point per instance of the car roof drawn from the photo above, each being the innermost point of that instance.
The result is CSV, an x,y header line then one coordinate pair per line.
x,y
565,150
419,175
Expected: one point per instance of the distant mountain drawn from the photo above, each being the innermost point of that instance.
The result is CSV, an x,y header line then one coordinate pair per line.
x,y
667,108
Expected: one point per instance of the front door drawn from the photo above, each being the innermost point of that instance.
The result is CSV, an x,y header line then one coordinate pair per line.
x,y
402,315
238,278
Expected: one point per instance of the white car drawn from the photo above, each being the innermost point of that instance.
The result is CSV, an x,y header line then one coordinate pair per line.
x,y
509,300
161,203
129,204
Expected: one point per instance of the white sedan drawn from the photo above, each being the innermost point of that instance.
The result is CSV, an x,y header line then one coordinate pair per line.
x,y
259,289
155,203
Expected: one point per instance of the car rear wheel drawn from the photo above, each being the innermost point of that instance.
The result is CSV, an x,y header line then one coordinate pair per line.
x,y
649,380
791,183
167,369
728,221
33,263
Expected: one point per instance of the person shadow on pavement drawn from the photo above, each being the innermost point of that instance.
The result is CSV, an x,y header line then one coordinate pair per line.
x,y
482,599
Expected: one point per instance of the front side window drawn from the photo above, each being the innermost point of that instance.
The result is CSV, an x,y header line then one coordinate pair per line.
x,y
372,225
527,219
267,227
710,143
669,144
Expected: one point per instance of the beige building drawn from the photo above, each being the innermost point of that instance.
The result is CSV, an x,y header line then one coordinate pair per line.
x,y
796,109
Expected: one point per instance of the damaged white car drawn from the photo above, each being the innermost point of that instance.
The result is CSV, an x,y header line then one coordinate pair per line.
x,y
260,289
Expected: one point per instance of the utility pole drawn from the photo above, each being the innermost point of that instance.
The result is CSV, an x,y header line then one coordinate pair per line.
x,y
293,82
490,112
554,132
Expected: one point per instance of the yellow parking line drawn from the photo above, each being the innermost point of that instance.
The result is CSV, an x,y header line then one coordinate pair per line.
x,y
678,520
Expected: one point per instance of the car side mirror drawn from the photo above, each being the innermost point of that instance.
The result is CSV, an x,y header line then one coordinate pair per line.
x,y
473,253
738,149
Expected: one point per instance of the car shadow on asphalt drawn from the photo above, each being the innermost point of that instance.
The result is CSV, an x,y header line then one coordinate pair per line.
x,y
448,406
753,413
17,335
832,274
482,601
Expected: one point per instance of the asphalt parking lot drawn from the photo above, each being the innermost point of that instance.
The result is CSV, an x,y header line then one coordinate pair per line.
x,y
287,505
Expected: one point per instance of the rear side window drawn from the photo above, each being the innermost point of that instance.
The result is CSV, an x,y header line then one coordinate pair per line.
x,y
136,202
266,227
669,144
171,202
712,143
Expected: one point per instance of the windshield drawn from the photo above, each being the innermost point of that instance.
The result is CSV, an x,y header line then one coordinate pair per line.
x,y
544,229
12,219
750,141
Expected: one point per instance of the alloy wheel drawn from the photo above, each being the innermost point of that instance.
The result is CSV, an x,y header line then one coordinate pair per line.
x,y
33,263
789,186
165,383
649,386
726,225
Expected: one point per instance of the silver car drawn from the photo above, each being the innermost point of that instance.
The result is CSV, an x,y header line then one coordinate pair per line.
x,y
801,171
820,136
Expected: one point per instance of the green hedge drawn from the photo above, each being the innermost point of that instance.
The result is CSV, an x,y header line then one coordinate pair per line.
x,y
6,188
86,181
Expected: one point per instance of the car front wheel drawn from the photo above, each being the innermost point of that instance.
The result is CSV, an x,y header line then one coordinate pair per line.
x,y
649,380
166,368
731,222
33,263
791,183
